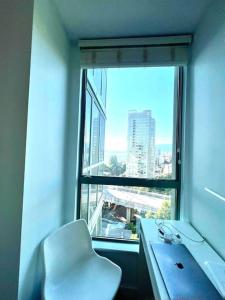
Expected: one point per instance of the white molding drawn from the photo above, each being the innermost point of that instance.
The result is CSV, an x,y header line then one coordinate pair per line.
x,y
214,193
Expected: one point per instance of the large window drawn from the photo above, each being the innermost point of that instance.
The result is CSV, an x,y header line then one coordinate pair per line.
x,y
130,148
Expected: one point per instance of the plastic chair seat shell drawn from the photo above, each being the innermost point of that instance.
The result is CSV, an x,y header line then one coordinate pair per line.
x,y
80,273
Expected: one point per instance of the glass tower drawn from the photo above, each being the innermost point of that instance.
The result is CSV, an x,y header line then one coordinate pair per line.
x,y
141,144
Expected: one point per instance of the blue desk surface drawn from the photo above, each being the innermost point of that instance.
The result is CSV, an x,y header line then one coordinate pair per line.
x,y
202,253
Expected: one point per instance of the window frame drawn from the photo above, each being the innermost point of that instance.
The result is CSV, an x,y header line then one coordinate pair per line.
x,y
130,181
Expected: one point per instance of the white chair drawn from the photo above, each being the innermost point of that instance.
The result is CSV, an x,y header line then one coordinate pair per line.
x,y
73,270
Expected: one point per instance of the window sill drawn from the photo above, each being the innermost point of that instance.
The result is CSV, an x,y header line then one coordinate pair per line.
x,y
108,245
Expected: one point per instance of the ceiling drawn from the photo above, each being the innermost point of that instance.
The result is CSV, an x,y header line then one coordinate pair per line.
x,y
120,18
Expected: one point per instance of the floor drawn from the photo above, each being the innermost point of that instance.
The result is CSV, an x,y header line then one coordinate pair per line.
x,y
126,294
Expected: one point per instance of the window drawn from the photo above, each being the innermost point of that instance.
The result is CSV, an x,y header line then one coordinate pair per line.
x,y
130,147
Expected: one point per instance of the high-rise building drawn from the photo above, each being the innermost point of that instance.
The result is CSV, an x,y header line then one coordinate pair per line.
x,y
141,144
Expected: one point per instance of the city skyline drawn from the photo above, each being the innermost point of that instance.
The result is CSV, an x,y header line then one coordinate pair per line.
x,y
138,89
122,155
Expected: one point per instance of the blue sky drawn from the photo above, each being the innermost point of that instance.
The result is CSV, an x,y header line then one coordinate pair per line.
x,y
140,89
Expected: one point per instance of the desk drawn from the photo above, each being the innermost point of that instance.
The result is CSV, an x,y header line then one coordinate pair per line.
x,y
202,252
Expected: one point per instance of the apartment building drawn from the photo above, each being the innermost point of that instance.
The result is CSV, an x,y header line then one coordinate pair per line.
x,y
141,144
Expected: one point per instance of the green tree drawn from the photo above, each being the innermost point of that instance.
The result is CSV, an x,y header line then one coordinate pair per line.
x,y
164,212
150,214
115,168
131,226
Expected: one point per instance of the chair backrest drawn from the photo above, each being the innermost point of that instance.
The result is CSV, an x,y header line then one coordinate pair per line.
x,y
64,248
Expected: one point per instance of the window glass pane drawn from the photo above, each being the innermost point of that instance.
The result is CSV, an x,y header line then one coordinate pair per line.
x,y
118,209
98,80
95,140
94,134
84,202
104,86
86,154
137,130
101,145
93,194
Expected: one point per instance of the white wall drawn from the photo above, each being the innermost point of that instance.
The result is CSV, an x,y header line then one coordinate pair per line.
x,y
207,127
15,47
44,186
72,137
